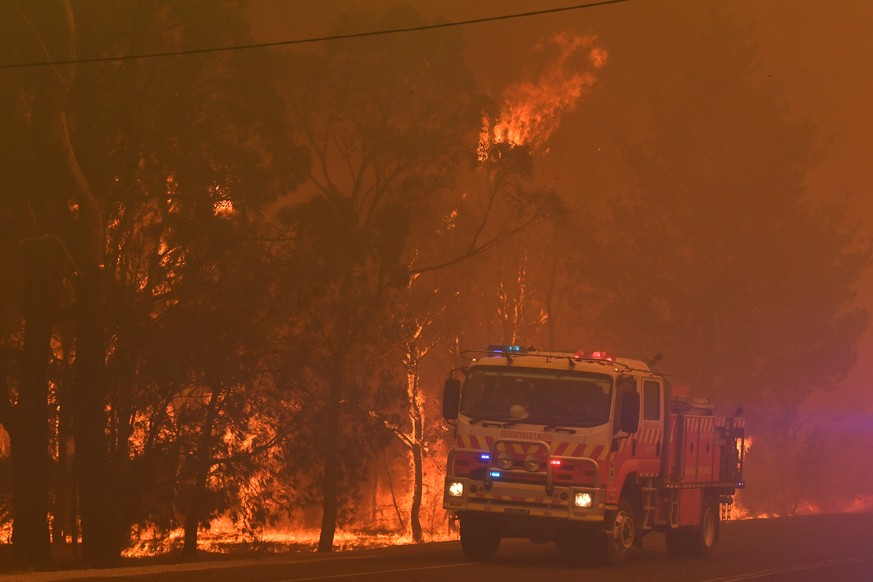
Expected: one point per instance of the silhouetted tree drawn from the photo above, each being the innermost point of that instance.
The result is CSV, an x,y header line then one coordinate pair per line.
x,y
129,166
721,259
500,207
384,122
46,177
484,241
423,314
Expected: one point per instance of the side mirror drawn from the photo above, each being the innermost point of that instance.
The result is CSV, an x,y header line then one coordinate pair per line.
x,y
451,398
630,412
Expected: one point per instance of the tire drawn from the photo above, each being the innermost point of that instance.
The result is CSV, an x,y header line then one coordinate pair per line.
x,y
479,538
696,542
707,535
620,534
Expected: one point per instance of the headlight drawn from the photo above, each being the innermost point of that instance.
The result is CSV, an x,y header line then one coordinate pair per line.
x,y
582,500
456,488
531,463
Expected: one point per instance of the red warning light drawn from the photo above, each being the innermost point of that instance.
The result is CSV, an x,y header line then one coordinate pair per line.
x,y
583,355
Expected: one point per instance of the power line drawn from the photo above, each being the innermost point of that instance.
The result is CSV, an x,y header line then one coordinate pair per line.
x,y
312,39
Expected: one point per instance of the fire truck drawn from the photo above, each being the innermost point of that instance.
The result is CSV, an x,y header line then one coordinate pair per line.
x,y
587,450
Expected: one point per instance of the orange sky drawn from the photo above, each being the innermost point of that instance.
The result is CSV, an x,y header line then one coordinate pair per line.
x,y
817,54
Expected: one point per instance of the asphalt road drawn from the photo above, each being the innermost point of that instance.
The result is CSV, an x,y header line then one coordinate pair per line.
x,y
809,548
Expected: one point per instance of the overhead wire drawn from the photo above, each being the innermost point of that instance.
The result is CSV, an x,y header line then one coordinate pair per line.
x,y
314,39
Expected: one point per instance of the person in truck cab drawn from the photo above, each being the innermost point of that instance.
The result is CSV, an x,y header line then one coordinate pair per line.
x,y
519,406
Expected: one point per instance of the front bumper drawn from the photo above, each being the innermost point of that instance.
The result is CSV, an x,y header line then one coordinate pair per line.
x,y
522,499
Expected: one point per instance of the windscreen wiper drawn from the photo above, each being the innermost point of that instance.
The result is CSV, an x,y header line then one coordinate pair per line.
x,y
515,420
500,419
559,428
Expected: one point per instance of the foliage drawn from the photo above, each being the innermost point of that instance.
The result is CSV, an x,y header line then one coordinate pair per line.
x,y
180,155
720,260
385,124
261,343
723,262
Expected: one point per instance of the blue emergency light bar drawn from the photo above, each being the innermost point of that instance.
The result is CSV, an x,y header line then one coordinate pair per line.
x,y
498,349
494,474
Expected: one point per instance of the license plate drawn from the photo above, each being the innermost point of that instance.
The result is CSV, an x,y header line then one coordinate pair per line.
x,y
516,510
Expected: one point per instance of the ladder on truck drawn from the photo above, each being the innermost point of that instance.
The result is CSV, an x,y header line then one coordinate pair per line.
x,y
650,496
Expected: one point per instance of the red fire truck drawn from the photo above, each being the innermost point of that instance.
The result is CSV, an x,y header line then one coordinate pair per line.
x,y
586,450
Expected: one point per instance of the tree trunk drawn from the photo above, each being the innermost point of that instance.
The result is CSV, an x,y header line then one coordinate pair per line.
x,y
331,436
122,420
413,378
31,464
201,474
100,540
65,180
329,482
415,511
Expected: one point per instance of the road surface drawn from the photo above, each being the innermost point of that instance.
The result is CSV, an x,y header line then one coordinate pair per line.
x,y
799,549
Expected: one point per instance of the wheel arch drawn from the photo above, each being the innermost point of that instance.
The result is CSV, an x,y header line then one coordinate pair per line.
x,y
632,491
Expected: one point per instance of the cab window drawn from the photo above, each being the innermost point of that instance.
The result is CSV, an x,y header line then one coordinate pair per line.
x,y
651,400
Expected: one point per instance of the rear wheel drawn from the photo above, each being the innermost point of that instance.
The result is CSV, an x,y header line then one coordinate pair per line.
x,y
479,538
696,542
707,536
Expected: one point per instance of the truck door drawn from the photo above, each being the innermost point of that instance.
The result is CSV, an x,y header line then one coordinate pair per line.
x,y
650,438
691,443
706,454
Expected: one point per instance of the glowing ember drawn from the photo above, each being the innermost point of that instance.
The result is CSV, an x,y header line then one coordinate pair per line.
x,y
222,205
5,443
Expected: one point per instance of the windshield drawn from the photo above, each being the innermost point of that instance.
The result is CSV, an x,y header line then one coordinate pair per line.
x,y
547,397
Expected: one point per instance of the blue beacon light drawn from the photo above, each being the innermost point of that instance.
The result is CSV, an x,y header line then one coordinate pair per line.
x,y
498,349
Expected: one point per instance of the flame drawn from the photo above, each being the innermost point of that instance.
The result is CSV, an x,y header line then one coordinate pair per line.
x,y
222,205
5,442
223,208
223,536
531,109
860,504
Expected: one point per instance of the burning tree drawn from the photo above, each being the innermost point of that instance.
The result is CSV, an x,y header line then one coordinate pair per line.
x,y
122,170
563,70
500,208
384,122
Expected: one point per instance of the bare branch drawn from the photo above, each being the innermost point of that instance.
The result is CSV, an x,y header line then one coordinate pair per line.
x,y
484,247
63,79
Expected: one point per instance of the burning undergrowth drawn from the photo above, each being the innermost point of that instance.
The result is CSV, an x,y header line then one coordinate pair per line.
x,y
223,537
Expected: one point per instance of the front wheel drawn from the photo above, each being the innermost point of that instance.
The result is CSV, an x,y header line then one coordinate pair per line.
x,y
479,538
620,534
